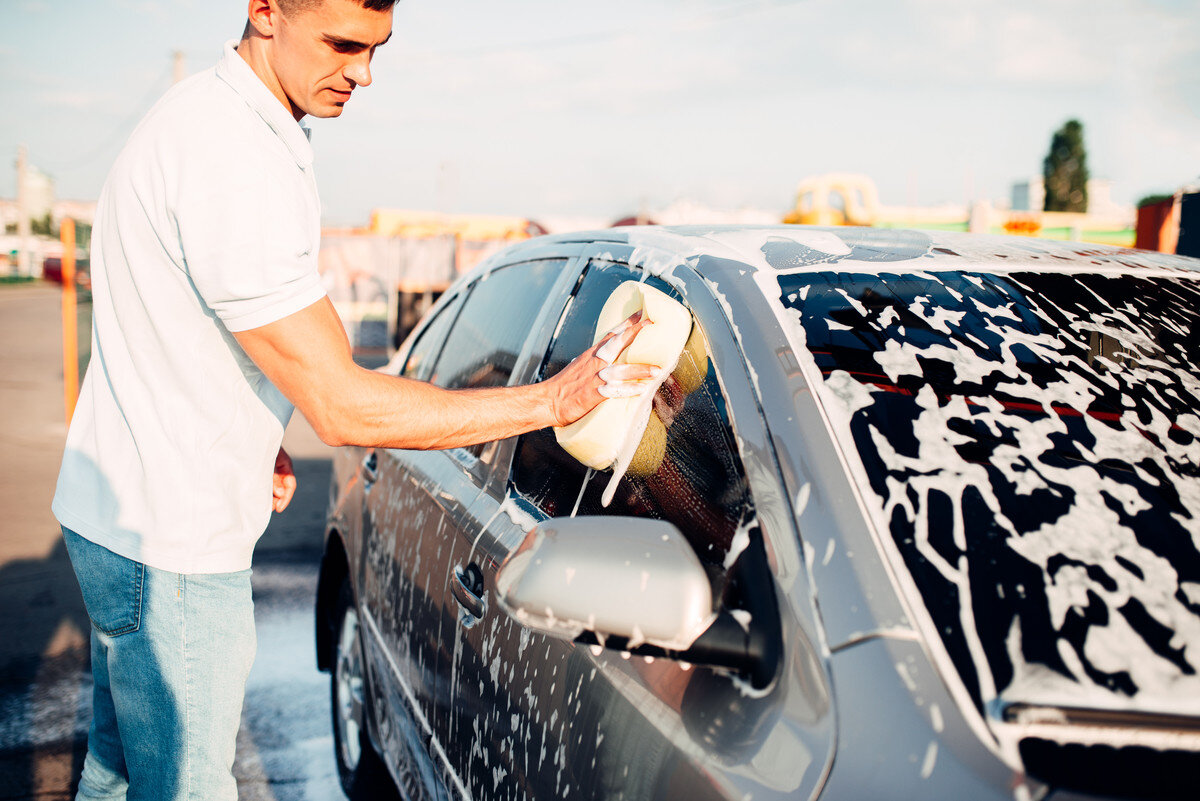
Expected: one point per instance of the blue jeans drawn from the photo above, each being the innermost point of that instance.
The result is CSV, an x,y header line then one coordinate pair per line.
x,y
170,656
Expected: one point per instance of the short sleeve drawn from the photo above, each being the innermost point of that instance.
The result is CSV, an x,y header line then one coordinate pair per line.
x,y
249,227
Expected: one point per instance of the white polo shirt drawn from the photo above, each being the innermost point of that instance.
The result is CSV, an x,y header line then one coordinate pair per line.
x,y
208,223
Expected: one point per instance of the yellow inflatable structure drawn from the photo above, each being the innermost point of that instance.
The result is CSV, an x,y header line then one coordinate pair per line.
x,y
835,199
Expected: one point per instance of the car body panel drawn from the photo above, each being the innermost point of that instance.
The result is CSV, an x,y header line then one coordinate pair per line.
x,y
865,703
419,500
647,701
902,736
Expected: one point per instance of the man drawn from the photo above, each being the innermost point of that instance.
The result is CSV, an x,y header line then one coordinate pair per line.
x,y
209,324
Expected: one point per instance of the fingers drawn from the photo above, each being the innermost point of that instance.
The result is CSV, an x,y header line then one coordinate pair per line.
x,y
580,386
618,338
625,324
283,482
628,380
285,489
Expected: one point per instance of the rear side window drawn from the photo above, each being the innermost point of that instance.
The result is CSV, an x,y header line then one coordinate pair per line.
x,y
486,338
482,348
423,354
700,486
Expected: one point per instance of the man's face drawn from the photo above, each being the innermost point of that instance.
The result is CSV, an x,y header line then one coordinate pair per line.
x,y
321,54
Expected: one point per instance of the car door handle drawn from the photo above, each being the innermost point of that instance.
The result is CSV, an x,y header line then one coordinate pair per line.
x,y
370,467
467,586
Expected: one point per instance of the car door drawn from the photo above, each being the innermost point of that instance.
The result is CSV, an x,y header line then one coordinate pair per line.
x,y
418,499
538,717
399,599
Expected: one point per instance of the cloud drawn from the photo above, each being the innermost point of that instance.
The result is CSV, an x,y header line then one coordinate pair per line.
x,y
631,73
1018,44
76,99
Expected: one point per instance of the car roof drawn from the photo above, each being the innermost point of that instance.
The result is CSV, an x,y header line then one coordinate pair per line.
x,y
801,248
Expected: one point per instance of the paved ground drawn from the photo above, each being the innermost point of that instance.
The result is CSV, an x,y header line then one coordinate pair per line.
x,y
285,750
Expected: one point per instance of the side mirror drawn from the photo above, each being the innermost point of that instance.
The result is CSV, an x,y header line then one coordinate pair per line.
x,y
625,577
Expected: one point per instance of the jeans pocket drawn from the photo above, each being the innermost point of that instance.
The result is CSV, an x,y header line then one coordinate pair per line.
x,y
111,585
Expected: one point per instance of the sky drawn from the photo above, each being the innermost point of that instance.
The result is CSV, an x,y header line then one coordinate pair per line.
x,y
554,108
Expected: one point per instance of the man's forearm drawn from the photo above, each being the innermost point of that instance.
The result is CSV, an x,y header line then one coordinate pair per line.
x,y
307,356
379,410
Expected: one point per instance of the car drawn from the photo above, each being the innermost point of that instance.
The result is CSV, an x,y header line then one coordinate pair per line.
x,y
925,525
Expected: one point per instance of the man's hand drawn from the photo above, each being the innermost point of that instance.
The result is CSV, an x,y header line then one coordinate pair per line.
x,y
308,357
283,483
592,376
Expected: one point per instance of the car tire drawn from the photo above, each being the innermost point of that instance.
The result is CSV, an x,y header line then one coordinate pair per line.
x,y
360,770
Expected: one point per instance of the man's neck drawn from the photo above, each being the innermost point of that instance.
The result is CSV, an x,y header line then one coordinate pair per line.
x,y
254,50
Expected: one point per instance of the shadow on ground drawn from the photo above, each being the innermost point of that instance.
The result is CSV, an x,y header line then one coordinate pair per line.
x,y
45,678
285,749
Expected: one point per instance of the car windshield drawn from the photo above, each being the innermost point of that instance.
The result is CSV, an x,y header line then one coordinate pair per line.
x,y
1031,444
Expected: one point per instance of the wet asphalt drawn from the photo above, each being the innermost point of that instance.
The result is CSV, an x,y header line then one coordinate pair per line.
x,y
285,746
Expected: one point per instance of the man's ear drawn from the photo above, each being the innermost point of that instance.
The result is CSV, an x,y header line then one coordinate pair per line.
x,y
262,16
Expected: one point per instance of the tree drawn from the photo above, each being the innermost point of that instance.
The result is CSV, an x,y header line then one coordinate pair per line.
x,y
43,226
1065,172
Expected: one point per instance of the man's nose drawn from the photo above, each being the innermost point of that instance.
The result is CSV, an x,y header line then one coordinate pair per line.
x,y
359,70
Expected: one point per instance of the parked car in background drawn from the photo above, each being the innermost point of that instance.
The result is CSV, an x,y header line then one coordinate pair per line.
x,y
52,271
941,494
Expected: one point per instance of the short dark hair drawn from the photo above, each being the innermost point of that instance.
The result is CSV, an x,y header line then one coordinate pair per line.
x,y
292,6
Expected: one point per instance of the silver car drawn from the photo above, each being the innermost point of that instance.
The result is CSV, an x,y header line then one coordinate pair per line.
x,y
926,525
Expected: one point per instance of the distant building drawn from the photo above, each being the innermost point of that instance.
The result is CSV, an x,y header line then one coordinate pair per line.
x,y
684,211
81,211
1171,225
1030,195
39,193
8,214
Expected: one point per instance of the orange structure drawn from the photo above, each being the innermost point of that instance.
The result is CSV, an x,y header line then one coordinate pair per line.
x,y
1023,225
69,304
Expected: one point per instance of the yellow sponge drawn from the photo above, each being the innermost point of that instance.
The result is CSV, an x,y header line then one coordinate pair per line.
x,y
650,451
614,429
693,363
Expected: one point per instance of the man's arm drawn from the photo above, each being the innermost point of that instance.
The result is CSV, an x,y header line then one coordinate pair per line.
x,y
307,356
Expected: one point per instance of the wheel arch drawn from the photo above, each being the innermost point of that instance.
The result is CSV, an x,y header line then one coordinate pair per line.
x,y
335,568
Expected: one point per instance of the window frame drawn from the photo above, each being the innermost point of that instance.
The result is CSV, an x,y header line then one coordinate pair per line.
x,y
491,463
442,306
735,387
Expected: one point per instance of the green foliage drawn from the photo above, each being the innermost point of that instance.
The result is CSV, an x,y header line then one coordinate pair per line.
x,y
1065,171
1152,200
83,235
43,226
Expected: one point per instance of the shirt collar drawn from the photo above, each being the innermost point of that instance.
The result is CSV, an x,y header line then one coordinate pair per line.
x,y
234,70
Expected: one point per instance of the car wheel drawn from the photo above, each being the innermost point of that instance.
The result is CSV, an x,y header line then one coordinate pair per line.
x,y
361,772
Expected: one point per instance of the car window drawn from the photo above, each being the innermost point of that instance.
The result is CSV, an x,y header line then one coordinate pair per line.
x,y
482,348
425,351
700,486
498,314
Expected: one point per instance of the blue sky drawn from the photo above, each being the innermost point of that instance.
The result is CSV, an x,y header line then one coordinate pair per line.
x,y
548,107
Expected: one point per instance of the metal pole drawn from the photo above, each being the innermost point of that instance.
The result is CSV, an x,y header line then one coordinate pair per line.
x,y
24,229
179,69
70,324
